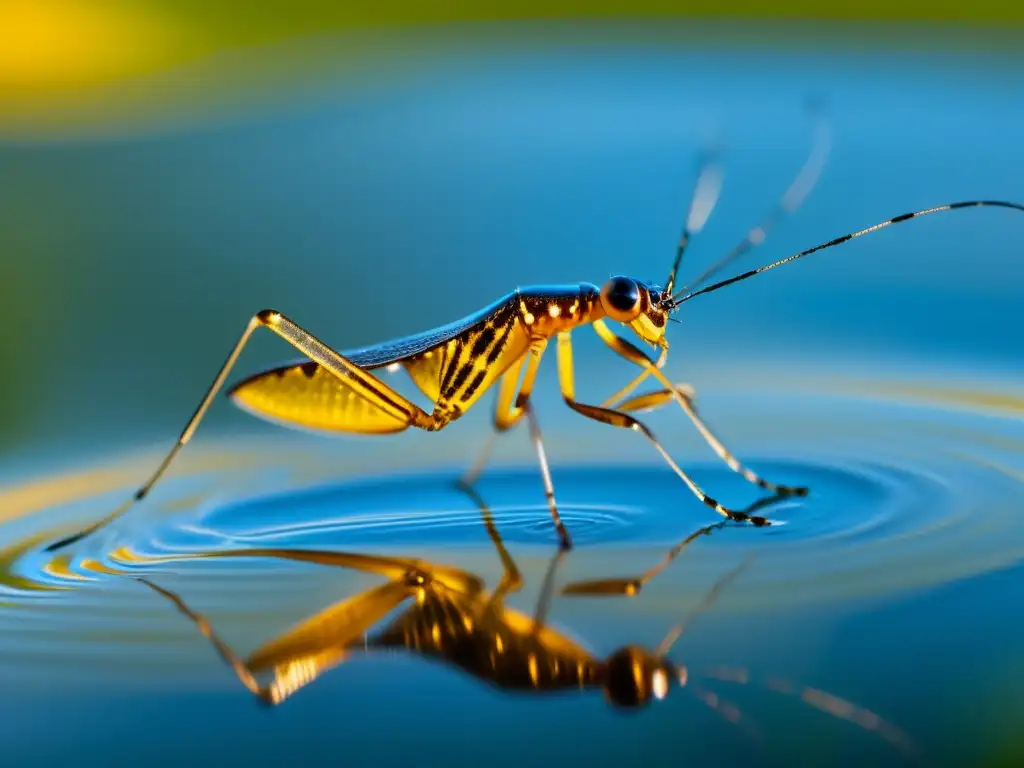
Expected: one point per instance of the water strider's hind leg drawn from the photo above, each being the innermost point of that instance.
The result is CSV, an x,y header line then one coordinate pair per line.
x,y
329,637
389,406
233,660
278,689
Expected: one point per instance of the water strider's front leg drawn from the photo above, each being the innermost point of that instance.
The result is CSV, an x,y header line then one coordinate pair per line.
x,y
618,397
620,419
684,395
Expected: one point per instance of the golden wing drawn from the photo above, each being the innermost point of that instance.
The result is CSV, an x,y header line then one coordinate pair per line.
x,y
305,395
333,629
425,370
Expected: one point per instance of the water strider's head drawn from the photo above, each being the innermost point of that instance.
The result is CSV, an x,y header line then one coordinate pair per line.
x,y
638,304
633,676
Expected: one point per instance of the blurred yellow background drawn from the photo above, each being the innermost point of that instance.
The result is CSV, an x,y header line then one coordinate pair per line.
x,y
66,53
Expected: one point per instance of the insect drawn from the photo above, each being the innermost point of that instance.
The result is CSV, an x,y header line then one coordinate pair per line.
x,y
452,618
503,344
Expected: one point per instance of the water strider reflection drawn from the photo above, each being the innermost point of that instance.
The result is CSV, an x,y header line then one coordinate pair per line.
x,y
451,617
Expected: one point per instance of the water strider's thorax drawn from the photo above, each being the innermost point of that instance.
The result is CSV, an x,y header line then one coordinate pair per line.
x,y
469,363
546,310
465,366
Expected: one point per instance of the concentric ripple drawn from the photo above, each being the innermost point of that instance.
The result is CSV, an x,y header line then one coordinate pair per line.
x,y
903,496
639,506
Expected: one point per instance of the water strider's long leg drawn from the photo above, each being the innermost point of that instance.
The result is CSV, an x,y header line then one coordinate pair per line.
x,y
508,408
391,405
620,419
511,580
279,688
633,584
547,590
545,471
232,659
650,401
684,396
637,381
509,412
317,644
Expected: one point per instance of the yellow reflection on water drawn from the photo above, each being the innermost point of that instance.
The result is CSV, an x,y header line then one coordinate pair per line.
x,y
1010,403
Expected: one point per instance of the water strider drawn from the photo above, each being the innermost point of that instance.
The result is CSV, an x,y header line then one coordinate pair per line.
x,y
503,343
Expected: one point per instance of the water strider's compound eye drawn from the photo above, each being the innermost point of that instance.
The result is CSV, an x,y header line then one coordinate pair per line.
x,y
621,298
632,677
654,295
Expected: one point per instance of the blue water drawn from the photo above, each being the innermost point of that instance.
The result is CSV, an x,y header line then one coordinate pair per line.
x,y
884,374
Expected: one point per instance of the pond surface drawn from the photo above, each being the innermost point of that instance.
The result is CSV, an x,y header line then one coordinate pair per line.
x,y
885,375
